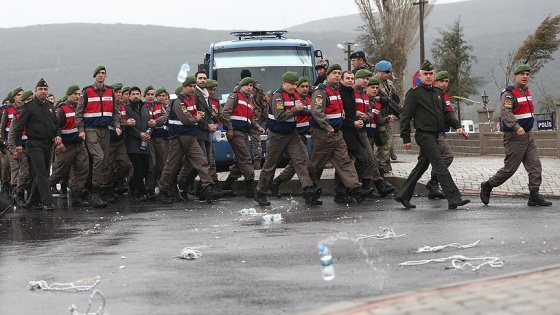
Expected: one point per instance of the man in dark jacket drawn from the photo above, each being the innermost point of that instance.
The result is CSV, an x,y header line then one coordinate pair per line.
x,y
138,116
39,120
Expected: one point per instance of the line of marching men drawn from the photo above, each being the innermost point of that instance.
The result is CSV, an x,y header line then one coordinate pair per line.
x,y
117,138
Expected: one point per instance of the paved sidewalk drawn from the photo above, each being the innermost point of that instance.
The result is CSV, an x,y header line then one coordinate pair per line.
x,y
532,292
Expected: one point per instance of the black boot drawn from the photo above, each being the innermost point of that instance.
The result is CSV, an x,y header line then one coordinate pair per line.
x,y
311,194
261,199
107,195
164,197
535,199
211,194
360,193
226,186
95,200
78,201
433,191
485,191
63,191
250,184
343,198
383,188
20,199
275,187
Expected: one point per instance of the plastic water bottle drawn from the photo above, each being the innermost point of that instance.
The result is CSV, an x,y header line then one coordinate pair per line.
x,y
144,144
184,72
327,269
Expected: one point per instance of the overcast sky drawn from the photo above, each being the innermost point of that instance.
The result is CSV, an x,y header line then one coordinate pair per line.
x,y
207,14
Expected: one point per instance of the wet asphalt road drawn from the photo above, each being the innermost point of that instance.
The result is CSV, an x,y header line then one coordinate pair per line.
x,y
248,268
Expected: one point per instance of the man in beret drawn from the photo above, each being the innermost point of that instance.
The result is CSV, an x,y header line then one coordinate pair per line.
x,y
125,95
425,107
99,111
517,119
183,121
303,127
71,153
358,61
442,82
321,76
162,96
286,104
9,171
212,88
237,116
42,129
158,143
387,93
328,144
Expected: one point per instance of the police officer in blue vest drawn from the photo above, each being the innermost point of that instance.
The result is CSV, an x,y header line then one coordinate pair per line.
x,y
517,122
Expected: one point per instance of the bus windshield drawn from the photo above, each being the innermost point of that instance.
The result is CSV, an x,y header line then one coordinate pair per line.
x,y
266,64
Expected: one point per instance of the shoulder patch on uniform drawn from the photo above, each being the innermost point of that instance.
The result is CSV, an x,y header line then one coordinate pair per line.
x,y
279,104
508,104
319,100
184,109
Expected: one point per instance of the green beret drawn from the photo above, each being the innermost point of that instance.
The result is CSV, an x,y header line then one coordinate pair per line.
x,y
301,80
362,73
126,89
373,81
333,67
521,68
149,87
442,75
26,94
427,66
179,89
117,86
8,98
50,94
358,54
211,84
246,81
189,80
16,91
290,77
72,89
99,68
160,90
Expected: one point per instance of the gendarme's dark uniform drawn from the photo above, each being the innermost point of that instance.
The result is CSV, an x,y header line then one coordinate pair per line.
x,y
39,120
425,107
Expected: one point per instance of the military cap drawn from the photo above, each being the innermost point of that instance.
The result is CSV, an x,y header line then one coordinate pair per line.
x,y
333,67
160,90
427,66
117,86
42,83
290,77
179,89
50,94
362,73
126,89
189,80
8,98
383,66
373,81
321,66
72,89
301,80
99,68
16,91
358,54
149,87
521,68
26,95
211,84
442,75
246,81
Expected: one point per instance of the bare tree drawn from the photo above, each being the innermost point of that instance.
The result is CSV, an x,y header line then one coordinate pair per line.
x,y
390,32
546,100
536,50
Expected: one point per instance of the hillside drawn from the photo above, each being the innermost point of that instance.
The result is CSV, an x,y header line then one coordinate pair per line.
x,y
140,55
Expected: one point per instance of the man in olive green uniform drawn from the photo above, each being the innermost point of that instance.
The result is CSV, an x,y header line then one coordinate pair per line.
x,y
327,142
283,137
358,61
39,120
71,153
237,116
425,107
517,122
387,93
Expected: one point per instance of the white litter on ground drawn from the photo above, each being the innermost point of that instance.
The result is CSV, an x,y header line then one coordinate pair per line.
x,y
189,253
387,233
101,311
66,287
441,247
459,262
